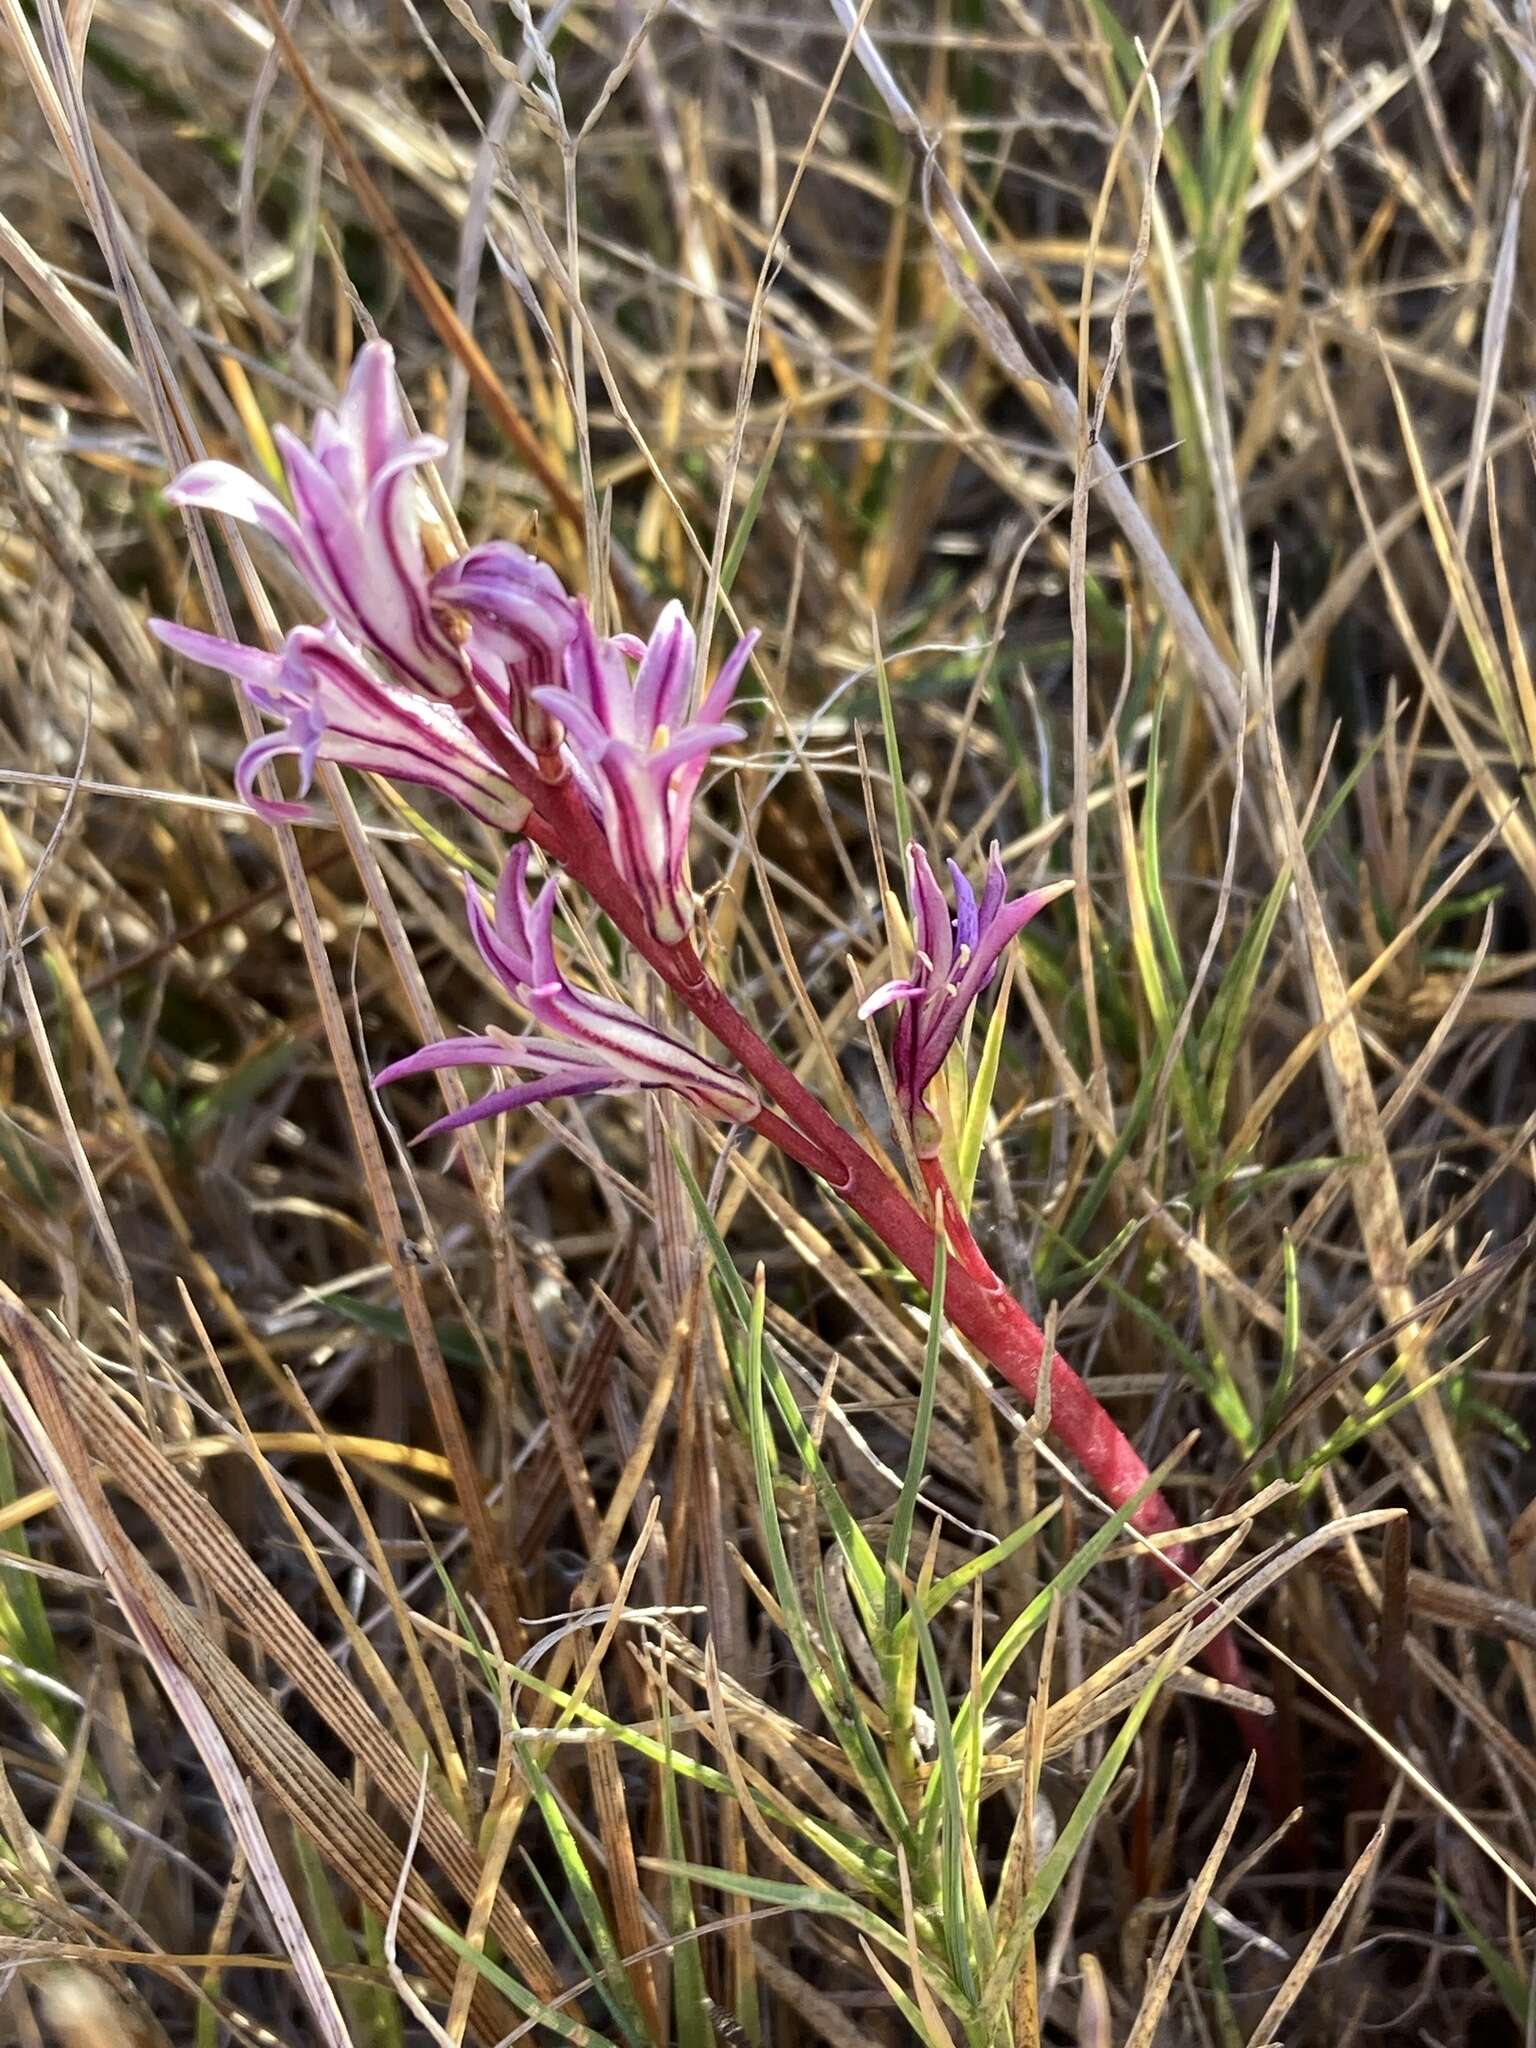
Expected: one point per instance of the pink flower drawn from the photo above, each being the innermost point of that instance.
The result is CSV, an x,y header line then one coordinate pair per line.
x,y
639,750
496,620
495,650
589,1045
335,708
955,958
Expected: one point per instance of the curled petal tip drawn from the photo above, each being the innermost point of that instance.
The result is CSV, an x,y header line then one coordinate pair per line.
x,y
334,707
889,992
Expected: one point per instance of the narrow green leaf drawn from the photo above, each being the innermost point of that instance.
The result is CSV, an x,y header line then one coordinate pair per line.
x,y
373,2013
850,1733
611,1978
458,1346
725,1266
1010,1645
26,1631
238,1090
691,2024
804,1898
573,2030
946,1803
1152,860
1221,1034
866,1576
917,1454
978,1101
1290,1343
1235,168
942,1591
1502,1974
738,546
900,808
1357,1428
1128,60
1049,1877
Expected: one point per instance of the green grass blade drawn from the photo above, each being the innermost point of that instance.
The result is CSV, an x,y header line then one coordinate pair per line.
x,y
849,1730
1152,861
901,811
1015,1638
1502,1974
611,1978
1052,1872
803,1898
576,2031
1290,1342
866,1575
899,1547
949,1811
978,1100
691,2024
1235,167
1122,44
738,547
942,1591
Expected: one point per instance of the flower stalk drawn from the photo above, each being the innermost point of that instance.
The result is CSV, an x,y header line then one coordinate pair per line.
x,y
483,679
976,1301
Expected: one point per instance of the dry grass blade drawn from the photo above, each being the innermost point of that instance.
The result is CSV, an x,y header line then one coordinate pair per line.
x,y
222,1564
52,1433
1159,1986
1373,1178
433,299
1268,2029
438,1601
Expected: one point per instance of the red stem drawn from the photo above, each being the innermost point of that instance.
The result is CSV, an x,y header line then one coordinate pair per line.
x,y
1221,1657
975,1300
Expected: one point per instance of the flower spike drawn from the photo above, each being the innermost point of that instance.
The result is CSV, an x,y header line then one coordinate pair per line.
x,y
639,750
335,708
955,958
588,1045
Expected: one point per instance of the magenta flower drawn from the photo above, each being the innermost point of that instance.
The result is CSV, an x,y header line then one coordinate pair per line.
x,y
955,957
335,708
497,619
592,1046
354,532
638,751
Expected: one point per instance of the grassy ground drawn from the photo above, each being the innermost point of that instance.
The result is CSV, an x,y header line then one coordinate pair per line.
x,y
442,1593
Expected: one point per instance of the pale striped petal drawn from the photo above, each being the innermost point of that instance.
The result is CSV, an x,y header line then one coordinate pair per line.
x,y
336,708
664,679
445,1052
721,694
220,487
354,528
548,1088
890,992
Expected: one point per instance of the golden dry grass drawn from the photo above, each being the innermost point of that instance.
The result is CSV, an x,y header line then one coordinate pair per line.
x,y
431,1607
